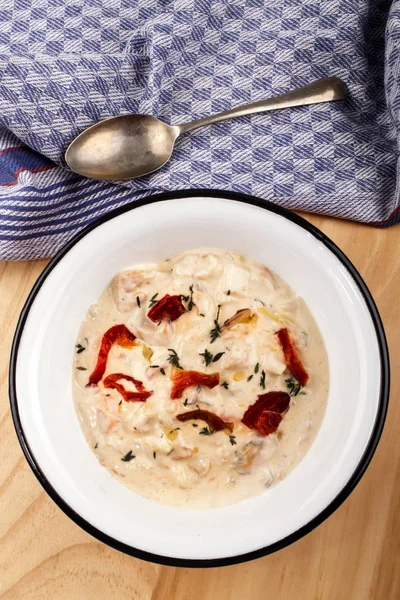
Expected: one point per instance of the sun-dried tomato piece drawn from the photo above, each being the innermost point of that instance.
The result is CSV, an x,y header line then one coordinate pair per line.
x,y
169,307
292,359
141,395
184,379
267,412
213,421
117,335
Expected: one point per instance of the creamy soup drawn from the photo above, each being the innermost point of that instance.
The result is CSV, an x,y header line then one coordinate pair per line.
x,y
200,380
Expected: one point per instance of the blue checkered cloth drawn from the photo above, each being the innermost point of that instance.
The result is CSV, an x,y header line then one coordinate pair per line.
x,y
65,64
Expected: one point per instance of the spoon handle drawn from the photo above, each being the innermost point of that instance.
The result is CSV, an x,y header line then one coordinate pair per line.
x,y
322,90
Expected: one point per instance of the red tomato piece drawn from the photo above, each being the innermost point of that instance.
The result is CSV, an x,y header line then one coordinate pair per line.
x,y
213,421
267,412
169,307
141,395
292,359
117,335
184,379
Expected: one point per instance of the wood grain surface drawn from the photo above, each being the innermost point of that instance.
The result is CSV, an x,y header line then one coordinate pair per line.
x,y
354,555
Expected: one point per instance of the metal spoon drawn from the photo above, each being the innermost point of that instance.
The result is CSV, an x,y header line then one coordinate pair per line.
x,y
134,145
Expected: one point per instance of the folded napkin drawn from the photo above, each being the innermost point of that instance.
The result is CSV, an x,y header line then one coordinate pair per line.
x,y
65,64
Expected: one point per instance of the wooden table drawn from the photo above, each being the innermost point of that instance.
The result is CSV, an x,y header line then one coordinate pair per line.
x,y
354,555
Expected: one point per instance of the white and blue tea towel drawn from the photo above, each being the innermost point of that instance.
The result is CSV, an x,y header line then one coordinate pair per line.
x,y
65,64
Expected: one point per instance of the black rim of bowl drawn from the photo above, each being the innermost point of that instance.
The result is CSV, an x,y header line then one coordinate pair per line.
x,y
358,472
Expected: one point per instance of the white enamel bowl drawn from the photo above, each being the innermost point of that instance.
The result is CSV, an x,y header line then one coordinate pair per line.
x,y
40,378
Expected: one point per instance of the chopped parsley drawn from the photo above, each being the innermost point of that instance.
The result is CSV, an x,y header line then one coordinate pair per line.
x,y
185,402
162,371
208,357
79,348
205,431
81,368
225,384
153,300
232,440
216,330
128,456
138,301
173,359
262,379
250,377
257,368
293,386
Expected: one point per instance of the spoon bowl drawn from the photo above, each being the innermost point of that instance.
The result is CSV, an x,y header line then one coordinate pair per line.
x,y
122,147
134,145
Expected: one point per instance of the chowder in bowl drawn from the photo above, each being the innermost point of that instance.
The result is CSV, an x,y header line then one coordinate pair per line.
x,y
166,226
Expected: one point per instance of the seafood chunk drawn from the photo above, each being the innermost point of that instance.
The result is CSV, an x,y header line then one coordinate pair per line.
x,y
126,288
237,354
201,465
236,279
105,420
245,456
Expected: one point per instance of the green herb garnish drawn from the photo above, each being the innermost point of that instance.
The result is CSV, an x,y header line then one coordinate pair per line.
x,y
153,300
232,440
173,359
191,303
119,403
205,431
250,377
162,371
293,386
128,456
189,299
257,368
228,293
185,403
81,368
96,446
258,300
225,384
201,315
154,454
138,301
262,379
194,425
154,366
216,330
208,357
80,348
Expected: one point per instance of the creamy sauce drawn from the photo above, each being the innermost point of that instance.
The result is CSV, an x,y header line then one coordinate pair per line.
x,y
185,463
